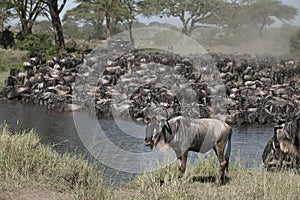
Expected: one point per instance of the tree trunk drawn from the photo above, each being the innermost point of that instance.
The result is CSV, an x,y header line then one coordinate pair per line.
x,y
58,32
99,33
185,29
108,27
56,23
99,23
262,27
26,27
2,21
130,33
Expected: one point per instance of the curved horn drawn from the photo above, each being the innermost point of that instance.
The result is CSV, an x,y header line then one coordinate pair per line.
x,y
273,143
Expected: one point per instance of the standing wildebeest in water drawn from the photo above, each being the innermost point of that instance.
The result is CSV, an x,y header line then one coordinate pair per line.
x,y
199,135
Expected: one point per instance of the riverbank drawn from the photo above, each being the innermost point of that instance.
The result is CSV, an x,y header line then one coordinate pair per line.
x,y
30,170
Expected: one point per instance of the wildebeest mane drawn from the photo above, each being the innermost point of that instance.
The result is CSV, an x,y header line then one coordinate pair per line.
x,y
167,132
167,127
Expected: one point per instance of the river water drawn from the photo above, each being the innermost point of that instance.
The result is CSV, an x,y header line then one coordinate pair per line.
x,y
79,133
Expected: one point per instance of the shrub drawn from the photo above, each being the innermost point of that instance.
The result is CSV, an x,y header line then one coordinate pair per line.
x,y
295,43
38,44
7,38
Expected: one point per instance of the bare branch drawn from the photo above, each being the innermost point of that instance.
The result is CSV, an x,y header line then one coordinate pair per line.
x,y
62,6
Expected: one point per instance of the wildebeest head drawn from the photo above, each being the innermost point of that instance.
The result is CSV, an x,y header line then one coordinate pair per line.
x,y
273,157
153,131
289,137
283,151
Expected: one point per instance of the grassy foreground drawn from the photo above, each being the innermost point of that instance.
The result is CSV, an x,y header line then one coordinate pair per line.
x,y
30,170
198,183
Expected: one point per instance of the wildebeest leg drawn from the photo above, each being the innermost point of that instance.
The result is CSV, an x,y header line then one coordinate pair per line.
x,y
219,149
182,162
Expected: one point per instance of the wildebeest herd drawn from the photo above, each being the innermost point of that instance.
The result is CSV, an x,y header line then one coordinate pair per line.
x,y
253,90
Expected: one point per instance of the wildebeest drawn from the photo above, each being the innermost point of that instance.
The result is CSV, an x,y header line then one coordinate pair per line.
x,y
186,134
273,157
283,150
10,81
289,137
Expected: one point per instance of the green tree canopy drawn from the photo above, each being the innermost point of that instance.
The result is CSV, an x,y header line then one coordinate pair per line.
x,y
86,13
253,13
192,13
97,12
230,15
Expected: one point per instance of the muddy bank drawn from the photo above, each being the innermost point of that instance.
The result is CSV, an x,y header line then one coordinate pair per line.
x,y
247,89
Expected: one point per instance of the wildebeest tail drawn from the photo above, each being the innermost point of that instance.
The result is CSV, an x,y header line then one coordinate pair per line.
x,y
228,150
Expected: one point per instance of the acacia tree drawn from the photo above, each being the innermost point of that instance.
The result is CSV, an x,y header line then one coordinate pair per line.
x,y
192,13
230,15
129,10
262,13
86,13
54,9
27,11
109,10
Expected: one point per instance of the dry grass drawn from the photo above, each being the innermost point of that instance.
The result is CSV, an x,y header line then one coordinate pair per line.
x,y
198,183
12,55
27,165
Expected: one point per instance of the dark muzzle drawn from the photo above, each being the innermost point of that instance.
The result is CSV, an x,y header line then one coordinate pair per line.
x,y
149,142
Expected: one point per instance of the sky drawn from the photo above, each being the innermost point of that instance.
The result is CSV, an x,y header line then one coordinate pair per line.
x,y
296,3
